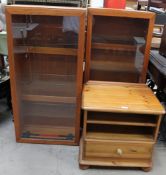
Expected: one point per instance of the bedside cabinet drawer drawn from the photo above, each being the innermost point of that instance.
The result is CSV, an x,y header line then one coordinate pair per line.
x,y
118,149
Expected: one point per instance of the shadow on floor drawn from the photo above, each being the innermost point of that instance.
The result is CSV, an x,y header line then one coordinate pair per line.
x,y
5,112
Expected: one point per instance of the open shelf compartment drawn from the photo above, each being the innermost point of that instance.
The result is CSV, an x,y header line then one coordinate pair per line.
x,y
107,118
122,132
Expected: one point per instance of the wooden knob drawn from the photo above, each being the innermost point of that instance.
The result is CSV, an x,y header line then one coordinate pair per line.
x,y
119,151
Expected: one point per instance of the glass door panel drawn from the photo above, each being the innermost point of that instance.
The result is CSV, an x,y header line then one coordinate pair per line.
x,y
118,45
48,120
45,55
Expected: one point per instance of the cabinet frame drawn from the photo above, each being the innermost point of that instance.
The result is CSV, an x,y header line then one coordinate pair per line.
x,y
49,11
119,13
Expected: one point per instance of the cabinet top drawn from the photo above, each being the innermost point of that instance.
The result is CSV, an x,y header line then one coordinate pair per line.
x,y
120,98
121,13
44,10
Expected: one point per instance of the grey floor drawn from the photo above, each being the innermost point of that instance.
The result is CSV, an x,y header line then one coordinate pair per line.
x,y
37,159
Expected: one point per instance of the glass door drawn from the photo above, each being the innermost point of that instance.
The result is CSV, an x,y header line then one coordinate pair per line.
x,y
47,60
117,45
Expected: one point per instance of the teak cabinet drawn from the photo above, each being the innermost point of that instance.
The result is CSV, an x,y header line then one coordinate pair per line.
x,y
121,123
46,58
118,45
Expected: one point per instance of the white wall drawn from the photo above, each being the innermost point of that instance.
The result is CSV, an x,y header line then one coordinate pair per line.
x,y
97,3
4,1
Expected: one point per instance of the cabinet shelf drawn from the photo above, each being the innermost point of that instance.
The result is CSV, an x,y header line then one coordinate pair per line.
x,y
114,46
61,89
118,136
39,119
120,132
105,118
113,66
50,85
45,50
49,99
121,123
50,113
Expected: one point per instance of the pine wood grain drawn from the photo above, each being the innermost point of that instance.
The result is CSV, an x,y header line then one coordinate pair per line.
x,y
121,124
120,97
118,150
116,162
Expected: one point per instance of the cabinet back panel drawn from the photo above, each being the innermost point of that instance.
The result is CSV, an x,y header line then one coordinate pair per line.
x,y
130,118
120,27
117,54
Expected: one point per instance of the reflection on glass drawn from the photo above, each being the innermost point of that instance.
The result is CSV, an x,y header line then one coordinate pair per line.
x,y
118,46
42,31
45,53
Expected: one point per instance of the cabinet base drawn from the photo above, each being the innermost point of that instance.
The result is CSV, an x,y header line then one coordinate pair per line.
x,y
147,169
83,167
43,141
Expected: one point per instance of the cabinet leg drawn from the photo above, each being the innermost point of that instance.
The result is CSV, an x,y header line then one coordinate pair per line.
x,y
83,167
146,169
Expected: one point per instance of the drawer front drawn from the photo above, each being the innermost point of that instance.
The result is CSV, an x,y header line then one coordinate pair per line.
x,y
118,149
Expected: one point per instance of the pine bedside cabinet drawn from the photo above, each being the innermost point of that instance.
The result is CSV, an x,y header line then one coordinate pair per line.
x,y
121,124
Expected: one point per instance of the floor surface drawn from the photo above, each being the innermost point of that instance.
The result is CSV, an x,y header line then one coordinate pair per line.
x,y
37,159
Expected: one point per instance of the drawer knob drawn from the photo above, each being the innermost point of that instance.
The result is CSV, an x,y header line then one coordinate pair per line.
x,y
119,151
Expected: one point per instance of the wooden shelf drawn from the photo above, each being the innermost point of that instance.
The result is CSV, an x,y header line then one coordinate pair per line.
x,y
121,119
45,112
50,85
118,136
116,56
113,46
113,66
46,50
121,123
49,99
52,121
